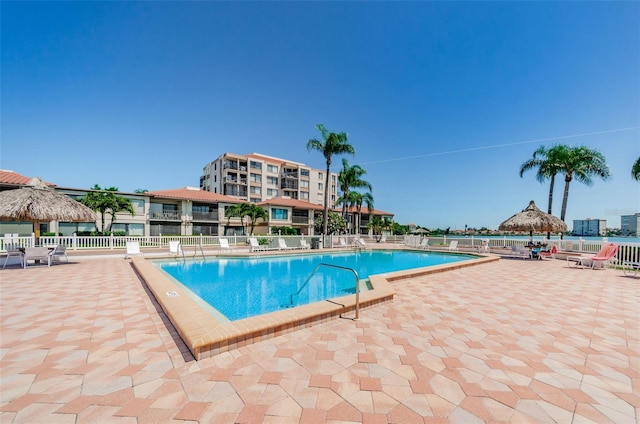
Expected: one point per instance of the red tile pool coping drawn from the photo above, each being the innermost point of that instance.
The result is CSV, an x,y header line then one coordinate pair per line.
x,y
205,336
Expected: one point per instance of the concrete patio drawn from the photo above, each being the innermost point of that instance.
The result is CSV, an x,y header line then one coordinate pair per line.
x,y
510,341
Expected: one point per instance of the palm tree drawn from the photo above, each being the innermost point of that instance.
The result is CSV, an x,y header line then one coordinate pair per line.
x,y
348,178
581,163
545,161
105,201
242,210
330,145
360,199
635,170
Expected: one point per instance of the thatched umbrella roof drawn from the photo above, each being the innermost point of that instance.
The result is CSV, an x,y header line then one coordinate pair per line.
x,y
37,202
533,219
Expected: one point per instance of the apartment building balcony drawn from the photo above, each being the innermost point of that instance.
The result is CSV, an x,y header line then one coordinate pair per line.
x,y
165,215
291,185
300,220
205,216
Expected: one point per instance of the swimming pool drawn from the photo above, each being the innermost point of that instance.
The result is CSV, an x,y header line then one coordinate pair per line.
x,y
241,287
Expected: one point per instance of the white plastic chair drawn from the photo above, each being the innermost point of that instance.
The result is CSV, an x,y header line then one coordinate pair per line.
x,y
453,245
13,250
224,244
57,253
133,249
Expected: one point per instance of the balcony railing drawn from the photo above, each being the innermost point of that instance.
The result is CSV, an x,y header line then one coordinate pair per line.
x,y
167,216
300,220
205,216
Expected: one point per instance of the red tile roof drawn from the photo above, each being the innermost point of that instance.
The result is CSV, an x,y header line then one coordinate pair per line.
x,y
364,211
10,177
195,194
293,203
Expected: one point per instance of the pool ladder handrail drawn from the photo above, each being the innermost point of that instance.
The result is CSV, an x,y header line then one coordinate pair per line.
x,y
355,273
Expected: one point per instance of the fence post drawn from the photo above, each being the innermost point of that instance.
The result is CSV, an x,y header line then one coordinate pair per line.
x,y
74,242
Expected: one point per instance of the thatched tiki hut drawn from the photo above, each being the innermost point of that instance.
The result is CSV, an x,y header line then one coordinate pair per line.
x,y
36,202
533,219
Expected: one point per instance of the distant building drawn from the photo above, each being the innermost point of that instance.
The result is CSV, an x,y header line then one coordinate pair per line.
x,y
629,225
589,227
256,177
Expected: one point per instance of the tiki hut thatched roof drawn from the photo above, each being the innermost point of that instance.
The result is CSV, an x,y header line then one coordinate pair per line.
x,y
533,219
39,203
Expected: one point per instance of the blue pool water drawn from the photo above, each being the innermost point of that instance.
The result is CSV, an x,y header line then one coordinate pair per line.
x,y
244,287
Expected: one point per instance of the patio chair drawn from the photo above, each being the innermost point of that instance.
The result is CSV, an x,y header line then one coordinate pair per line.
x,y
37,255
548,254
631,269
58,253
453,246
424,244
304,244
603,257
282,245
519,251
13,250
133,249
224,244
175,248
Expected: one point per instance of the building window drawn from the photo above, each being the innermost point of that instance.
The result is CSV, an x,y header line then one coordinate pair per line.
x,y
272,168
255,190
272,181
279,214
256,165
255,200
304,172
320,186
320,176
272,192
304,195
304,184
256,178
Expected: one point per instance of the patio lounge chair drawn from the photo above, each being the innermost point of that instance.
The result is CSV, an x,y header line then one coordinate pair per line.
x,y
57,253
631,269
175,248
282,245
133,249
551,254
453,246
519,251
224,244
304,244
13,250
37,255
424,244
603,257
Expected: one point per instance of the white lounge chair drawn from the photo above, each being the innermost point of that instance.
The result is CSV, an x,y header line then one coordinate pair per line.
x,y
133,249
519,251
453,245
57,253
13,250
304,244
255,246
224,244
282,245
175,248
424,244
342,242
37,255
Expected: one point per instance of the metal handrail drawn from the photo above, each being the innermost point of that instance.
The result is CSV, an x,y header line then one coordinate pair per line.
x,y
338,267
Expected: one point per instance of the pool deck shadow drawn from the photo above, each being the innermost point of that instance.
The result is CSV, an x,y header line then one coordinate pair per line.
x,y
206,335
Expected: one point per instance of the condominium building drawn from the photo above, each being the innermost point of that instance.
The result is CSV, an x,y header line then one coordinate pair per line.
x,y
256,177
629,225
589,227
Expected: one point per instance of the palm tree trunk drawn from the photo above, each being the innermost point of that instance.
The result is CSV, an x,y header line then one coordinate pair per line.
x,y
567,181
553,182
325,218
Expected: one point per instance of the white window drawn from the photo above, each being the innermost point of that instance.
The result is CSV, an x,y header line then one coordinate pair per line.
x,y
272,181
272,168
256,178
304,195
255,190
272,192
304,184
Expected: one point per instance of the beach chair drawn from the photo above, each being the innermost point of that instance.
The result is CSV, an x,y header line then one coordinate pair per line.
x,y
551,254
631,269
424,244
304,244
282,245
175,248
342,242
224,244
37,255
255,246
13,250
519,251
453,246
603,257
133,249
58,252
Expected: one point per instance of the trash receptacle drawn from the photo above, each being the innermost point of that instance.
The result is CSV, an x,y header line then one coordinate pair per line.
x,y
315,243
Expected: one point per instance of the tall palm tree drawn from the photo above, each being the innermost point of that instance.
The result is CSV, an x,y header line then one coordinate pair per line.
x,y
330,145
581,163
348,178
545,161
635,170
360,199
242,210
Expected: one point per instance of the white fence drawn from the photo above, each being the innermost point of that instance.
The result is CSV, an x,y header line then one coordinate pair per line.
x,y
627,251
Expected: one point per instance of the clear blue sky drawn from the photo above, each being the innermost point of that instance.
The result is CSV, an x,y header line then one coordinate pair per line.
x,y
443,101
